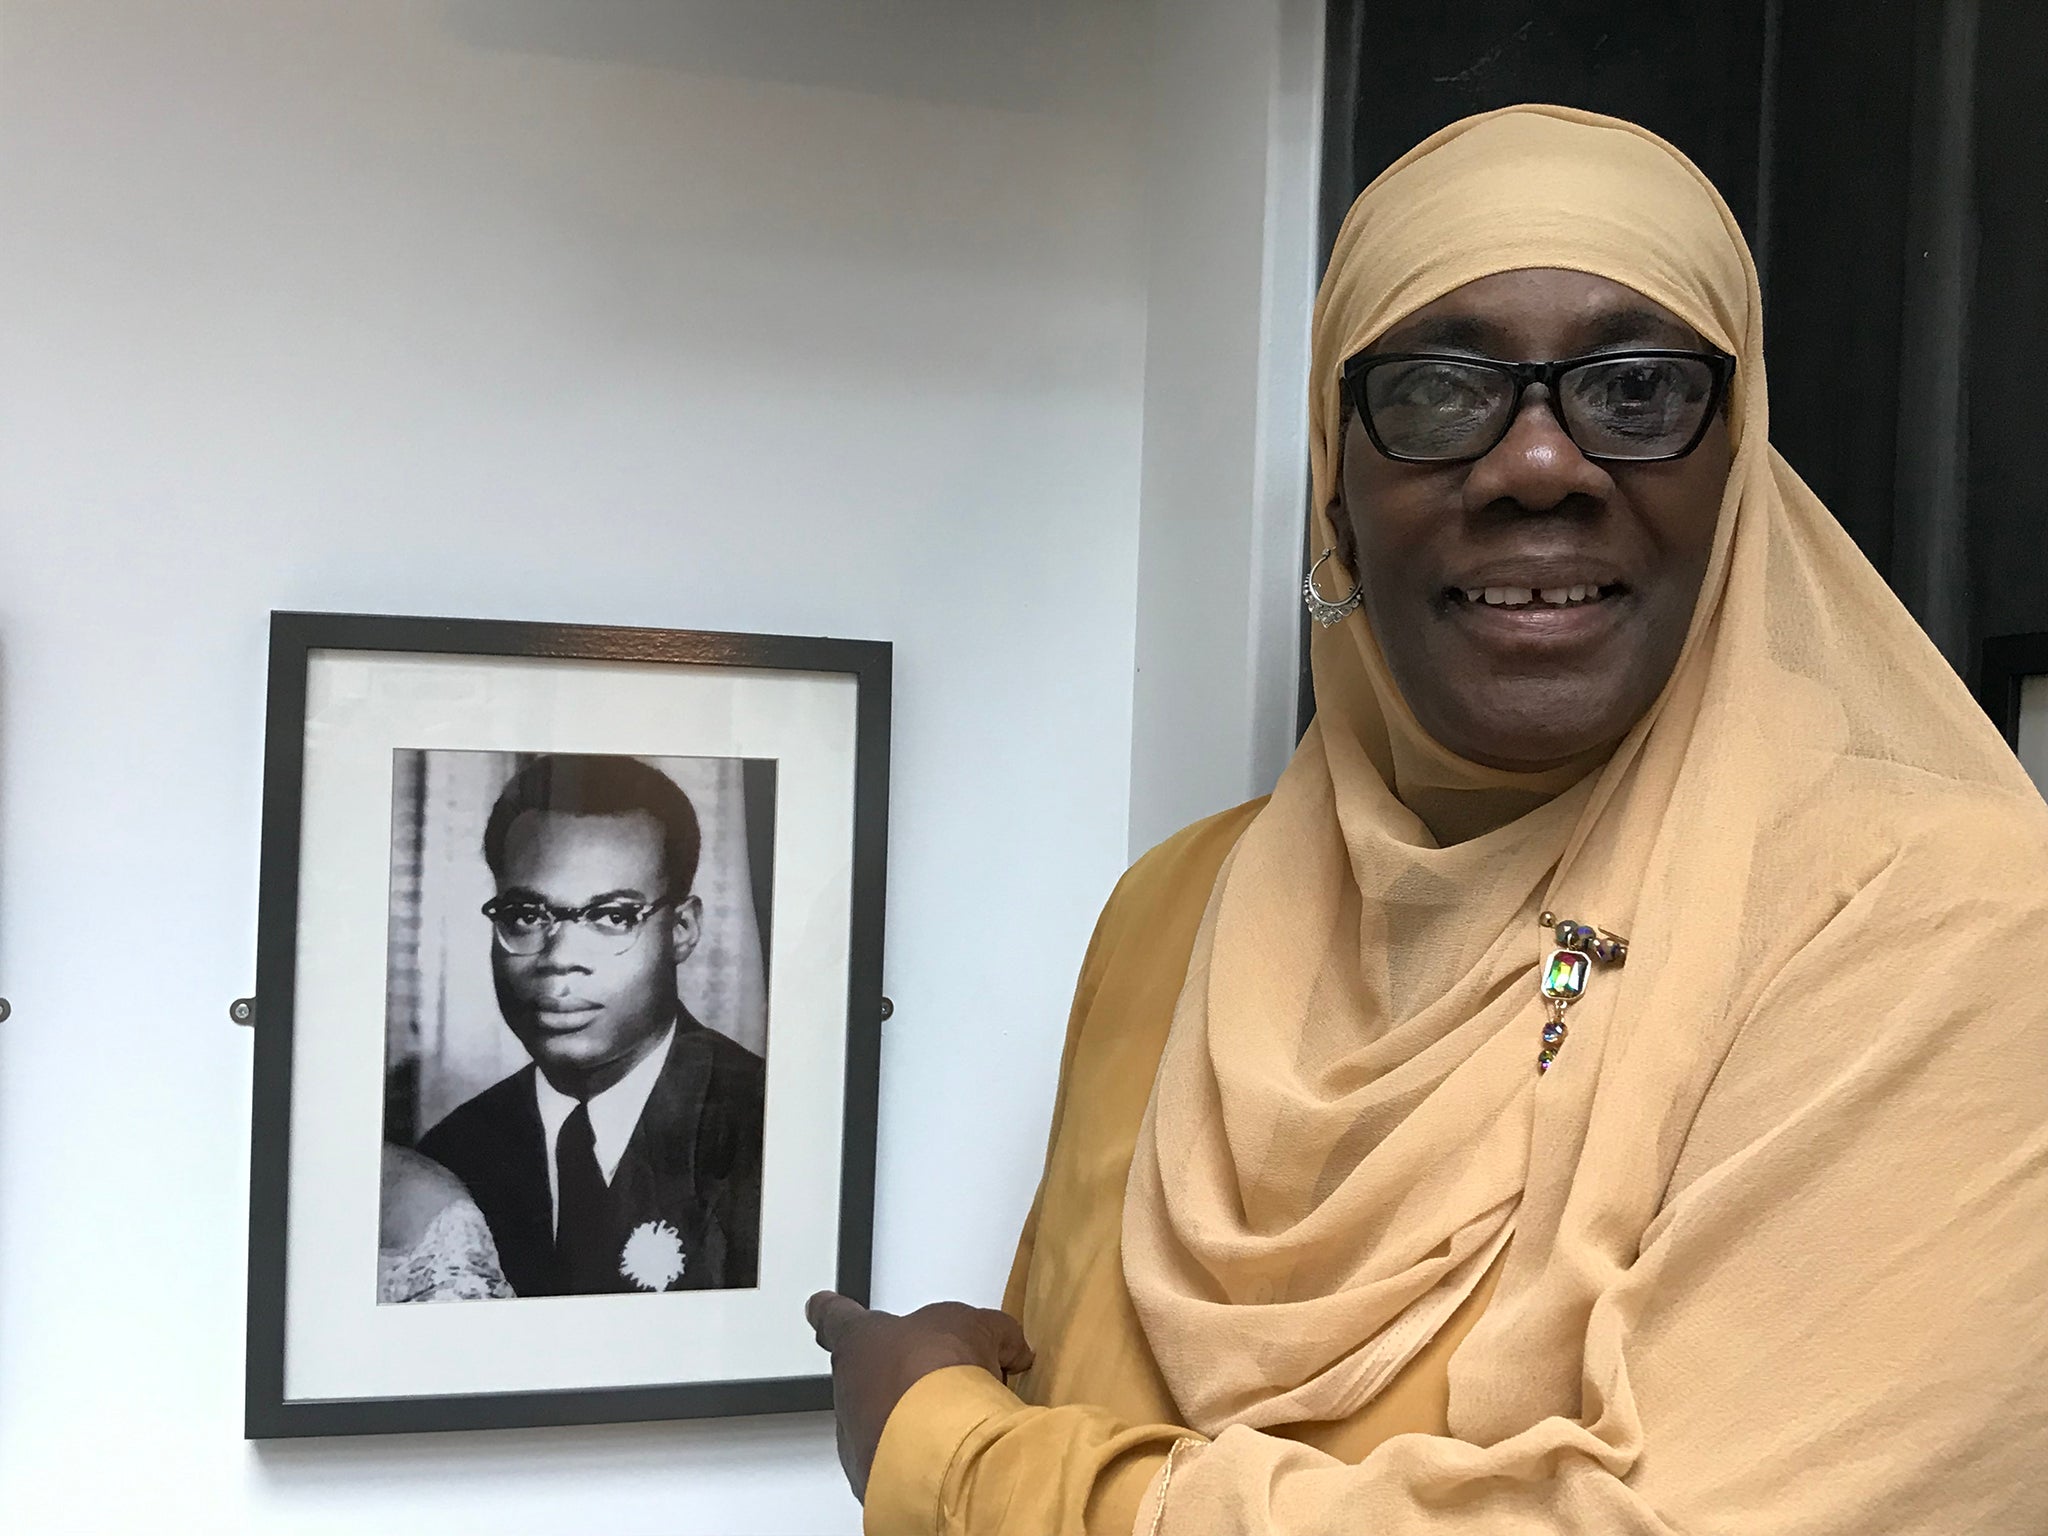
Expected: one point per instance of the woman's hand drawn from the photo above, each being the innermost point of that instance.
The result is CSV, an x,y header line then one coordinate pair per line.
x,y
878,1356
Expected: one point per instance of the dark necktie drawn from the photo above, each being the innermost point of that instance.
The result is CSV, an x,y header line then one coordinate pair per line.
x,y
586,1250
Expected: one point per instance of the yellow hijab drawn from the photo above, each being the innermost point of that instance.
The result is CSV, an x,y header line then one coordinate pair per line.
x,y
1800,838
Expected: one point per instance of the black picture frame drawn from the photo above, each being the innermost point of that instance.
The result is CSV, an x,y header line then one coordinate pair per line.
x,y
295,637
2003,666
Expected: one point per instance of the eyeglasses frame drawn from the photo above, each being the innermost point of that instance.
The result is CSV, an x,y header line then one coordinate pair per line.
x,y
1359,364
561,917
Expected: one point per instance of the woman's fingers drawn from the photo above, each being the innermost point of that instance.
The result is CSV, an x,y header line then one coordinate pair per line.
x,y
1006,1337
999,1337
830,1315
996,1337
877,1357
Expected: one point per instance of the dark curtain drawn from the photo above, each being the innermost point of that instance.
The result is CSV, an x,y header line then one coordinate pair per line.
x,y
1887,161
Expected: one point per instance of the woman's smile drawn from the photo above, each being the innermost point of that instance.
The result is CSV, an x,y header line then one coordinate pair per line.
x,y
1520,623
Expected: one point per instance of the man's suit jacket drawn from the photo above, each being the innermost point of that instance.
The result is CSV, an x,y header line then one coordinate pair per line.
x,y
693,1163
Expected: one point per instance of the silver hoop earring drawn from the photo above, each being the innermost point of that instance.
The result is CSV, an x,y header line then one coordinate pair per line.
x,y
1320,608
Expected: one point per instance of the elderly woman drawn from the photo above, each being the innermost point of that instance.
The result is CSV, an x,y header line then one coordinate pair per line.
x,y
1605,1087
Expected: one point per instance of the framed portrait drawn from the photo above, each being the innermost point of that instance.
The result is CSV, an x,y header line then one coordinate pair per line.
x,y
2012,683
568,1006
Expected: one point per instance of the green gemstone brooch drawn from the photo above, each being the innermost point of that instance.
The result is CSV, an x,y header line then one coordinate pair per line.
x,y
1565,969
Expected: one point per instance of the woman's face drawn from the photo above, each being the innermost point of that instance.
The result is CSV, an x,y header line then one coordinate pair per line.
x,y
1529,687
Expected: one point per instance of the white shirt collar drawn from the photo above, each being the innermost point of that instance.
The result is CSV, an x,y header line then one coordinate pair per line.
x,y
613,1114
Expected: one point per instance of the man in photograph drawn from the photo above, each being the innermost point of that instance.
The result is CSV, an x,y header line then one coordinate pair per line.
x,y
627,1156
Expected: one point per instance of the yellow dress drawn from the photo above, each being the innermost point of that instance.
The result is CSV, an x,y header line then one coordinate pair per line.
x,y
963,1454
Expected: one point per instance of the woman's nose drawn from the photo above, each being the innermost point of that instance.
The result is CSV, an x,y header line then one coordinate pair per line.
x,y
1536,465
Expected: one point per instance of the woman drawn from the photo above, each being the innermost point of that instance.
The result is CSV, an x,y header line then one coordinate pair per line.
x,y
1349,1225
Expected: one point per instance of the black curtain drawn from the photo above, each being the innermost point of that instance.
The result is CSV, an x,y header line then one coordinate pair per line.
x,y
1888,163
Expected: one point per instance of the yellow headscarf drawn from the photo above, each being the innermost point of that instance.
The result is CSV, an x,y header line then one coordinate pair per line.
x,y
1829,867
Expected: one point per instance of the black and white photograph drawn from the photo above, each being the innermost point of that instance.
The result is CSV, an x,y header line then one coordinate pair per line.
x,y
576,1028
568,1002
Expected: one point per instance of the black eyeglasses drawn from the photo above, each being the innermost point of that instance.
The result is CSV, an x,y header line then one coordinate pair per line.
x,y
1436,408
526,926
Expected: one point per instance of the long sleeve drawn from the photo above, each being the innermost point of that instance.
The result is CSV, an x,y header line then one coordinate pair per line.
x,y
962,1453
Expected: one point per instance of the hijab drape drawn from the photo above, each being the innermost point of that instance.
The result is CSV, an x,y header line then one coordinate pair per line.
x,y
1347,1124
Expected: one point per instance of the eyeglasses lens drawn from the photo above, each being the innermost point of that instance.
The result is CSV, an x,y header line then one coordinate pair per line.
x,y
1636,407
521,930
1437,410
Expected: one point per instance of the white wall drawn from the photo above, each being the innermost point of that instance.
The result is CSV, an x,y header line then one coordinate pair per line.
x,y
827,315
1231,275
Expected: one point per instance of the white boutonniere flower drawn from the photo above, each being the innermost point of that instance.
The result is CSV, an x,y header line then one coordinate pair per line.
x,y
653,1256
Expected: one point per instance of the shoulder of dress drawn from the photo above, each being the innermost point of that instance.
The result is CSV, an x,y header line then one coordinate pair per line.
x,y
1161,897
459,1227
1974,828
1932,847
1193,855
453,1260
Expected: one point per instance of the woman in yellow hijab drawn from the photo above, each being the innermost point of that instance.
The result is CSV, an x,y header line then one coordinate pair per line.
x,y
1605,1087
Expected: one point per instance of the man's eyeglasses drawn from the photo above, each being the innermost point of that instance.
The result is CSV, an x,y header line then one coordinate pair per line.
x,y
1639,407
523,926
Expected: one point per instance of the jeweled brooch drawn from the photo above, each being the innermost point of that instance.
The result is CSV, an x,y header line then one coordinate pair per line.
x,y
1565,970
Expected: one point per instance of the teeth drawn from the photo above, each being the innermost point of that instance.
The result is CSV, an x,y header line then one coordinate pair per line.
x,y
1521,597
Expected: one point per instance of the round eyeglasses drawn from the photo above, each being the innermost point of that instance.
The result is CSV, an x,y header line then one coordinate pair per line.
x,y
525,926
1638,407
